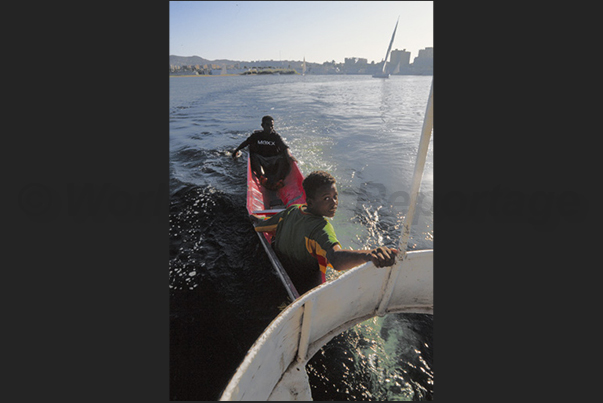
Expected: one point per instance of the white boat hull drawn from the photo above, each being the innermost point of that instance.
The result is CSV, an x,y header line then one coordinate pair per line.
x,y
274,367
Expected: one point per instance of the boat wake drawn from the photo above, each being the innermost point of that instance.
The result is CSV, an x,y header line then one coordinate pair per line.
x,y
223,290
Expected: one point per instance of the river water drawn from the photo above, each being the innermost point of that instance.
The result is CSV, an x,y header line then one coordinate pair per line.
x,y
223,290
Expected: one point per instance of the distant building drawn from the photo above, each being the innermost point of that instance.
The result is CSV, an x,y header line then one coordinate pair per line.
x,y
423,63
354,65
399,61
354,60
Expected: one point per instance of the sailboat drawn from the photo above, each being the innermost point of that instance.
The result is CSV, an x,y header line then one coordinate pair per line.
x,y
304,67
383,74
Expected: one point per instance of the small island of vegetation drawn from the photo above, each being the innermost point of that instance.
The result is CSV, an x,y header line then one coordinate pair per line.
x,y
269,71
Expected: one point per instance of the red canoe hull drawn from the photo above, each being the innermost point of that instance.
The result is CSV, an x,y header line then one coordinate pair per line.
x,y
258,197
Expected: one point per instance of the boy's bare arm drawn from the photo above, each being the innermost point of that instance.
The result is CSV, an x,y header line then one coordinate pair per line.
x,y
343,259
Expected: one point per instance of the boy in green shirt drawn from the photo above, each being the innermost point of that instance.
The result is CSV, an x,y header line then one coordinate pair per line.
x,y
305,241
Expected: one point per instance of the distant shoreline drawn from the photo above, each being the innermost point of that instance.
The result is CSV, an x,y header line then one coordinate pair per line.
x,y
231,75
243,75
204,75
274,72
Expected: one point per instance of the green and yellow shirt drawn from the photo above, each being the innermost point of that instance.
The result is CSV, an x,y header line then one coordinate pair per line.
x,y
301,241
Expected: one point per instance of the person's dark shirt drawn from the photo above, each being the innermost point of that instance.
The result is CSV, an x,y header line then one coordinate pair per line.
x,y
265,144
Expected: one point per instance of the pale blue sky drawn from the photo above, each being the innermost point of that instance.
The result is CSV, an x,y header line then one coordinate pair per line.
x,y
289,30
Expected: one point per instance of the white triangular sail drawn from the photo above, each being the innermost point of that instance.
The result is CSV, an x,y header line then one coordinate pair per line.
x,y
390,46
383,74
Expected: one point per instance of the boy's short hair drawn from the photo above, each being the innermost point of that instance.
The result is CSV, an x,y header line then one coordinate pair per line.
x,y
266,118
316,180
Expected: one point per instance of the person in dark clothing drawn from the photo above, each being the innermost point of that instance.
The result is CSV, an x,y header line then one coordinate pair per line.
x,y
269,155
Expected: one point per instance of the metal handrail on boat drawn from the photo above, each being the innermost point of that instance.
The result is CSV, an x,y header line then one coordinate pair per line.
x,y
274,367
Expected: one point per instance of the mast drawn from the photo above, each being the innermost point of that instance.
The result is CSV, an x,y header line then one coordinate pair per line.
x,y
418,173
394,271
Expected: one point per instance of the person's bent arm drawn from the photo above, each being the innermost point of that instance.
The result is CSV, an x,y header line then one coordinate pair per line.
x,y
342,259
236,150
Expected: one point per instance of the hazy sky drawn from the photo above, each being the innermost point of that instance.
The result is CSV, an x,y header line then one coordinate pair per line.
x,y
289,30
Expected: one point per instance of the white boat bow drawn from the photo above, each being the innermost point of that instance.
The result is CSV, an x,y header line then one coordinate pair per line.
x,y
274,367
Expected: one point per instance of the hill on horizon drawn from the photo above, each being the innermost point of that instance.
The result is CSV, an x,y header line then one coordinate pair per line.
x,y
187,60
193,60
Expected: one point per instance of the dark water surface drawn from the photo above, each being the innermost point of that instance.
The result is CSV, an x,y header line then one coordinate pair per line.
x,y
223,291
